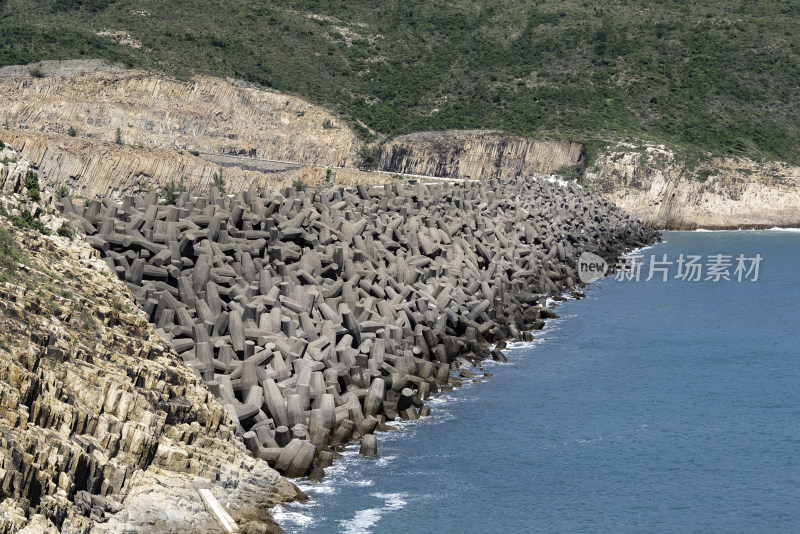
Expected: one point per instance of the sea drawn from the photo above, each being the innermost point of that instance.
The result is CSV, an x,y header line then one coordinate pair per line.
x,y
648,406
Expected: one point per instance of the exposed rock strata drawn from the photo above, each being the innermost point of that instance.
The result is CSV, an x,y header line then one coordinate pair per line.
x,y
476,154
160,120
102,427
273,140
317,316
653,184
205,114
98,168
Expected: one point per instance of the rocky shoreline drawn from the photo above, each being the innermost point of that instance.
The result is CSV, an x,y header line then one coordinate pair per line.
x,y
316,317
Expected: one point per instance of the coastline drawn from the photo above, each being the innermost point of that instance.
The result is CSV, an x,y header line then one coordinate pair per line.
x,y
316,317
299,515
498,455
320,316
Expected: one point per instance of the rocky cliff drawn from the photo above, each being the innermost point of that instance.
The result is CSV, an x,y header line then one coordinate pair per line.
x,y
102,427
315,316
69,121
475,154
114,131
657,186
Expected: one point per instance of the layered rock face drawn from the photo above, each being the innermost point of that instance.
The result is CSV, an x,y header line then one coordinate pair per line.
x,y
133,129
102,427
475,154
68,124
653,184
317,316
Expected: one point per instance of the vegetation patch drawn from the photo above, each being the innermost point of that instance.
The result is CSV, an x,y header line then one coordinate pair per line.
x,y
27,220
172,191
714,75
66,231
703,174
571,172
369,160
62,192
10,254
218,182
32,186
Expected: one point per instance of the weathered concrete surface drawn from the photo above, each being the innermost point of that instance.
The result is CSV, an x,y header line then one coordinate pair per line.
x,y
653,184
316,316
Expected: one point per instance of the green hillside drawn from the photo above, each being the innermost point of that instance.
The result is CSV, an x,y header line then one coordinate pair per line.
x,y
721,76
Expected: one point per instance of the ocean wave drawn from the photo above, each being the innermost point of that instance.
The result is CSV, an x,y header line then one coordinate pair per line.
x,y
365,519
297,521
792,230
642,249
383,461
773,229
326,487
522,345
394,501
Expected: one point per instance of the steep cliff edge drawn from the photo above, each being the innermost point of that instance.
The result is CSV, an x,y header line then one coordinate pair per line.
x,y
103,130
658,187
112,131
102,426
475,154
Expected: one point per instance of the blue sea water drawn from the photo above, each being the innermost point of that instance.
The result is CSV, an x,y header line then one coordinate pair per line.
x,y
647,407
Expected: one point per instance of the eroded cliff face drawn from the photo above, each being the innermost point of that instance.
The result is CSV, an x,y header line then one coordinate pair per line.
x,y
102,426
69,126
171,130
653,184
475,154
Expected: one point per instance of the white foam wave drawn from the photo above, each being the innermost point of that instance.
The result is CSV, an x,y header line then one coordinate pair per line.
x,y
289,518
365,519
394,501
326,488
439,400
520,345
383,461
791,230
773,229
642,249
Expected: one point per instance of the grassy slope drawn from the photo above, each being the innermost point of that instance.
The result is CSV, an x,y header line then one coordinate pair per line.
x,y
721,76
